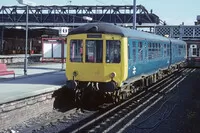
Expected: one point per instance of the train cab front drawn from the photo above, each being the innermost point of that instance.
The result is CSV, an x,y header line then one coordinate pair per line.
x,y
98,59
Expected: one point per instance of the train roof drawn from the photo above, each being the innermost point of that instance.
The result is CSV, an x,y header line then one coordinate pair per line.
x,y
177,41
108,28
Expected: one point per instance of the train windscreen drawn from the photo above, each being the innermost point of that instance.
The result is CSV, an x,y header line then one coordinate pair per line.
x,y
94,51
76,50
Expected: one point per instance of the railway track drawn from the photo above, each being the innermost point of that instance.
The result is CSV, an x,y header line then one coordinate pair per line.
x,y
113,118
117,119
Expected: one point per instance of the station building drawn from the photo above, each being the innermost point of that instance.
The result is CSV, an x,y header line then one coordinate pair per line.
x,y
14,40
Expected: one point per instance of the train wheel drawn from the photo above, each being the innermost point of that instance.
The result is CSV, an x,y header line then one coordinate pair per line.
x,y
146,82
151,79
79,98
116,97
160,75
155,78
132,90
123,95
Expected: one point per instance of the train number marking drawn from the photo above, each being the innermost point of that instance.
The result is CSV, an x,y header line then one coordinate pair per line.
x,y
134,70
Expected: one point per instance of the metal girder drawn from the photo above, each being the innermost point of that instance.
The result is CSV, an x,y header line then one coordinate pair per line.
x,y
69,24
74,14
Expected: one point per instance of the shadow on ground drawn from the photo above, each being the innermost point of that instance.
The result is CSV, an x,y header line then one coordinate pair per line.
x,y
64,99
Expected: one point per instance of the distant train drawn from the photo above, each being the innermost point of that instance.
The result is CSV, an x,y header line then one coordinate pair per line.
x,y
193,55
110,58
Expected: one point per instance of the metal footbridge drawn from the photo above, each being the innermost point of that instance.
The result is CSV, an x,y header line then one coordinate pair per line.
x,y
71,15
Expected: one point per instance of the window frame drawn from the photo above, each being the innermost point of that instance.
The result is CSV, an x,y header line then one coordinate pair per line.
x,y
79,48
86,51
120,56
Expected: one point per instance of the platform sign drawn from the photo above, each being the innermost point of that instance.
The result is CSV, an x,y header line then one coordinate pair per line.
x,y
53,48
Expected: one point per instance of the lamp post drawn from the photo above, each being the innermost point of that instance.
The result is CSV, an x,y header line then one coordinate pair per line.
x,y
134,14
87,18
26,3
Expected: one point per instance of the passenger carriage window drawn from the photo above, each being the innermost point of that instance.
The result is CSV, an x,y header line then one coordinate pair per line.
x,y
159,51
94,51
76,50
146,51
113,51
168,50
153,51
150,52
134,51
140,51
165,50
180,47
156,50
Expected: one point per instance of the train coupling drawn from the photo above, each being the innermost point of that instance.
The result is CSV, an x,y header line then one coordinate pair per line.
x,y
71,84
108,87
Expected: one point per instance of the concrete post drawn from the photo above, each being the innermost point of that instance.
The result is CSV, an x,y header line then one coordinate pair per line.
x,y
26,60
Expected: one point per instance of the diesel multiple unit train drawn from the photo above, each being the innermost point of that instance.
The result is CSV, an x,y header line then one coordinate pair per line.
x,y
112,59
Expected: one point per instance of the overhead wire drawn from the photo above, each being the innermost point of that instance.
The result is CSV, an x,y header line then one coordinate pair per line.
x,y
100,2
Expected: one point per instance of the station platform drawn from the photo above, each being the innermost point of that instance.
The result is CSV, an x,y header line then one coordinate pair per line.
x,y
40,78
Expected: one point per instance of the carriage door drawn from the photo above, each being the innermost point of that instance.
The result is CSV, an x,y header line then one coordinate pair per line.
x,y
193,51
170,53
146,51
132,57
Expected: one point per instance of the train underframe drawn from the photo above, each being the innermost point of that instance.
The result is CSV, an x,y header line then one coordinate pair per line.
x,y
95,93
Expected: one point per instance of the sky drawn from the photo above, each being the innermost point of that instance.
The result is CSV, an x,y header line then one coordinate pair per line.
x,y
174,12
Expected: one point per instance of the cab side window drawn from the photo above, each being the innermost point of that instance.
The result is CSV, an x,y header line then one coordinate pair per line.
x,y
113,51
